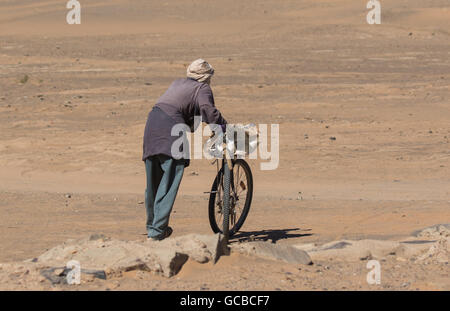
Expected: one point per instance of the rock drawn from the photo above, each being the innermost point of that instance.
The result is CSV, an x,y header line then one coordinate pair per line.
x,y
96,236
14,276
273,251
434,232
306,247
24,79
201,248
347,250
102,257
438,252
115,257
166,263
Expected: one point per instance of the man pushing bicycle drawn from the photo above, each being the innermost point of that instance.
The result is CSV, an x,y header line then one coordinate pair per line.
x,y
184,99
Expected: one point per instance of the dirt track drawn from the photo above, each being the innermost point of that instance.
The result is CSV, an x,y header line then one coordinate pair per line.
x,y
314,67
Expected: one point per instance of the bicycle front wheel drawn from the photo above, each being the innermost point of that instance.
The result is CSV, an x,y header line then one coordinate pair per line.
x,y
239,198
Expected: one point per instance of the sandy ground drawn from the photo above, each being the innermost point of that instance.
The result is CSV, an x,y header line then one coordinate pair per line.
x,y
75,125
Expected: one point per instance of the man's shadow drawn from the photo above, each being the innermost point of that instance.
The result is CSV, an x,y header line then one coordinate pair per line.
x,y
266,235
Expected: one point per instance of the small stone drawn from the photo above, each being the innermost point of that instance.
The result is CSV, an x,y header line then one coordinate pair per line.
x,y
59,271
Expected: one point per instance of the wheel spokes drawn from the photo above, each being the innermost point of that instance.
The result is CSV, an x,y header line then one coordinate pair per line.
x,y
238,196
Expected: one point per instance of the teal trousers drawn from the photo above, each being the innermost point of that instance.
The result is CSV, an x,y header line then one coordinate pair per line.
x,y
164,176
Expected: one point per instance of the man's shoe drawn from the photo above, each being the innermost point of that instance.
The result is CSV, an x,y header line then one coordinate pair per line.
x,y
164,235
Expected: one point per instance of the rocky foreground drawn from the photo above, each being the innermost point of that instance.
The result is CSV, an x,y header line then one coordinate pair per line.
x,y
105,263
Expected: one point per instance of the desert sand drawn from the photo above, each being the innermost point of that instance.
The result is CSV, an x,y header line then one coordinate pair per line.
x,y
363,112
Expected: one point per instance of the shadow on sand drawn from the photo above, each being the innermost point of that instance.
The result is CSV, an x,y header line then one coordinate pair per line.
x,y
266,235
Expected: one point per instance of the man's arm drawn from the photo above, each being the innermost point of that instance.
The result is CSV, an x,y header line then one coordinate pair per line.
x,y
209,112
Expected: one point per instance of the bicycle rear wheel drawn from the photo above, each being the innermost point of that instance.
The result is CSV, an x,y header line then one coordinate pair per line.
x,y
240,198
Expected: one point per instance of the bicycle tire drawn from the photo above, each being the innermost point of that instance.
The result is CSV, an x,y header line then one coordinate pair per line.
x,y
212,198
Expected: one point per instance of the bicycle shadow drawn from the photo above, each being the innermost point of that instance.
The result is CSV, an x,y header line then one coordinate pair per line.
x,y
265,235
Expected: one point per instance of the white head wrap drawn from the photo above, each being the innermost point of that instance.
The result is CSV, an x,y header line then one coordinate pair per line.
x,y
200,70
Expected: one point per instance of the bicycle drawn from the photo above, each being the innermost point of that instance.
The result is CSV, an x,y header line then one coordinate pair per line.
x,y
231,193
